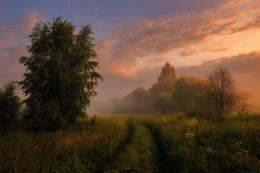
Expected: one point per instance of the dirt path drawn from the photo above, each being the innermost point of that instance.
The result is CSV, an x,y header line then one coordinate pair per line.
x,y
162,158
139,154
107,163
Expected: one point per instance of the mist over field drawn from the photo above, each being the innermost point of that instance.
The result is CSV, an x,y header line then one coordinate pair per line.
x,y
243,68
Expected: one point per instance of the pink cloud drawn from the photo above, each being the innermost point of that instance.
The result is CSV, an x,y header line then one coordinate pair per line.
x,y
96,9
101,23
234,3
31,19
13,46
20,27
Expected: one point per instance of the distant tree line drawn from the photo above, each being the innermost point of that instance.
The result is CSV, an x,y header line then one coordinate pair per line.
x,y
192,95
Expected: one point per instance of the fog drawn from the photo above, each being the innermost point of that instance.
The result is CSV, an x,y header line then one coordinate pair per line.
x,y
244,69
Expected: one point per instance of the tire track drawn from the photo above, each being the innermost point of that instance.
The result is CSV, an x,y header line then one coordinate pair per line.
x,y
163,161
105,167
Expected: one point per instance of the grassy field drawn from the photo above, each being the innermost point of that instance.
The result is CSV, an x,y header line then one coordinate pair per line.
x,y
138,144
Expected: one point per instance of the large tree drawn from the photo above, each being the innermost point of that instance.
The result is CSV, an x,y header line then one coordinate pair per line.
x,y
60,76
224,90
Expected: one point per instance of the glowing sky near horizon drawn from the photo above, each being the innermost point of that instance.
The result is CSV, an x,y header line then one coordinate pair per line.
x,y
134,38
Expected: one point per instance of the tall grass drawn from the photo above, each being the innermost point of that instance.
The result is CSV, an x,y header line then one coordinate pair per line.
x,y
138,144
194,145
83,150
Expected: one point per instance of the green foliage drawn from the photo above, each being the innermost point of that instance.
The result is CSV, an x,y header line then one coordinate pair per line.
x,y
203,106
60,75
160,91
93,120
10,105
86,150
186,88
138,144
192,145
139,154
163,103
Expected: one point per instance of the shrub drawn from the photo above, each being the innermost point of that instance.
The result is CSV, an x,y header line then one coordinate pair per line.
x,y
10,105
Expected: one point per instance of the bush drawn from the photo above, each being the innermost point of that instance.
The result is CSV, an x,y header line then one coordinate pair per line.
x,y
10,105
203,106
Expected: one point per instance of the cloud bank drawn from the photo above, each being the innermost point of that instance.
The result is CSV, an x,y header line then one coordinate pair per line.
x,y
136,43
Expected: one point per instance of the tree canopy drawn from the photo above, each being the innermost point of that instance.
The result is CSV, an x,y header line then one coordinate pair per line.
x,y
191,95
165,81
60,76
186,88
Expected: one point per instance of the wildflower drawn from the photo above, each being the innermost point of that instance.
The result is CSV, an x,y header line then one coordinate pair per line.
x,y
189,135
210,150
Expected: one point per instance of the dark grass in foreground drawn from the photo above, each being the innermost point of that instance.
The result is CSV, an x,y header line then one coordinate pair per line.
x,y
138,144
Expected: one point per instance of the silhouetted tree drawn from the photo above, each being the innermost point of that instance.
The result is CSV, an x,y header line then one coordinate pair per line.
x,y
160,91
60,75
166,80
224,91
10,105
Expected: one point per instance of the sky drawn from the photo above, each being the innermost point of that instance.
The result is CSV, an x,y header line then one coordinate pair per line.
x,y
135,38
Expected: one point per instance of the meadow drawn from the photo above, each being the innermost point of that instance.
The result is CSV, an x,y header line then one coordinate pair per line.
x,y
138,143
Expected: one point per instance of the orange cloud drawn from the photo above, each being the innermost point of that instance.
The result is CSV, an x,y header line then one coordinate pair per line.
x,y
235,15
139,39
253,9
225,28
216,50
125,72
188,52
248,26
